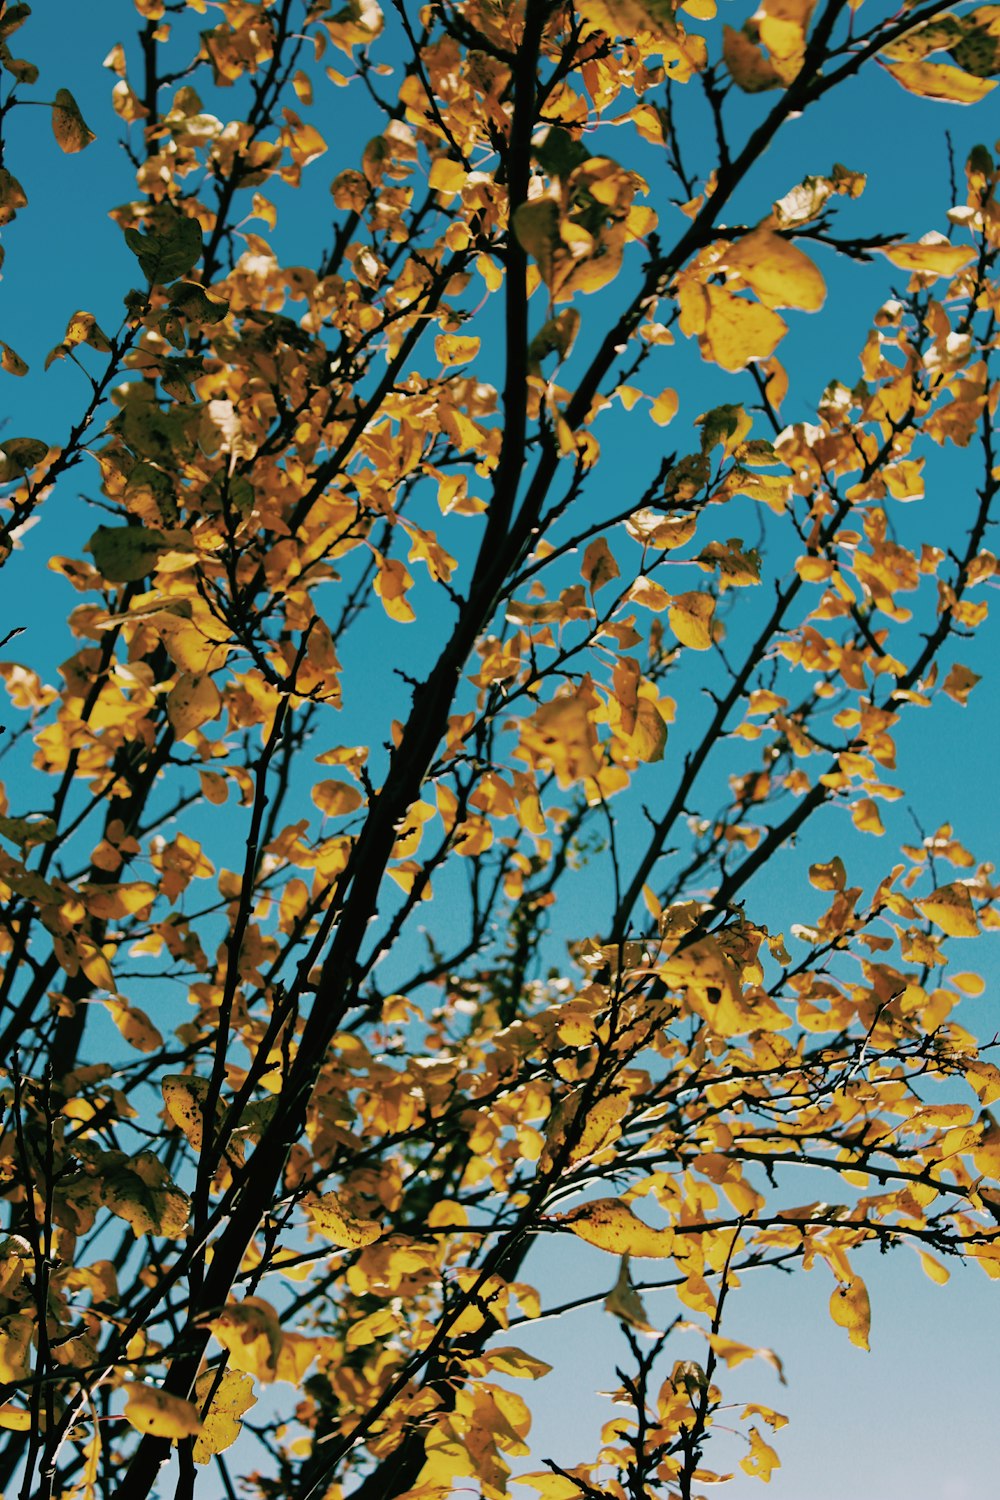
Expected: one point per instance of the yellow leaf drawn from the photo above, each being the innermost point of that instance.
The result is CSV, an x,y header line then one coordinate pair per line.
x,y
454,349
761,1459
648,738
134,1025
556,1486
599,1128
336,1223
15,1347
849,1308
865,816
611,1225
250,1331
391,583
782,26
939,81
221,1424
933,253
83,328
15,1418
933,1268
335,798
959,683
690,619
984,1078
626,17
732,331
776,270
664,408
950,908
139,1190
191,702
735,1354
183,1096
159,1414
68,125
515,1362
830,876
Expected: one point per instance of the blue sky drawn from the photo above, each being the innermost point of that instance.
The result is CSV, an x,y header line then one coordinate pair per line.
x,y
915,1419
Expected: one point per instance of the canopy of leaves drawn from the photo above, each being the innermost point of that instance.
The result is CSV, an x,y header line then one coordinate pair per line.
x,y
426,623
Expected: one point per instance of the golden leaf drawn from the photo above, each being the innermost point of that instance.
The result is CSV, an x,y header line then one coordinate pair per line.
x,y
183,1096
250,1331
334,798
664,408
932,254
515,1362
849,1308
15,1347
391,583
455,349
690,617
139,1190
761,1459
335,1222
12,196
220,1424
776,270
610,1225
134,1025
159,1414
192,701
950,908
939,81
732,331
933,1268
865,816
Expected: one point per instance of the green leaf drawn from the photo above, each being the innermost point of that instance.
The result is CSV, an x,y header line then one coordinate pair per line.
x,y
27,832
12,196
559,153
194,303
68,125
124,554
11,361
13,17
18,455
169,248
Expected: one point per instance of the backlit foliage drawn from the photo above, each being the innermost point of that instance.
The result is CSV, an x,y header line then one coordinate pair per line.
x,y
406,575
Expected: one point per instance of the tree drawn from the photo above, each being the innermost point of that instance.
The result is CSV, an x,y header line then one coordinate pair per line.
x,y
374,661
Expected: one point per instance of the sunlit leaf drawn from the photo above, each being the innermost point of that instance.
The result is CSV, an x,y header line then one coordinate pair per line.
x,y
849,1309
159,1414
220,1426
611,1225
335,1222
950,908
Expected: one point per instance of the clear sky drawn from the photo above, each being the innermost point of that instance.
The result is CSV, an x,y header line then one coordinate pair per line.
x,y
916,1418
